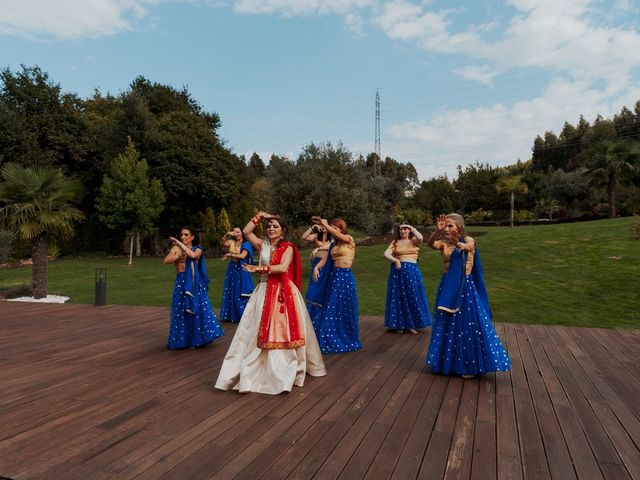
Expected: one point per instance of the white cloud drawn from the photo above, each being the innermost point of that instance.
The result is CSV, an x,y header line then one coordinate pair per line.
x,y
70,18
497,134
291,8
481,73
549,34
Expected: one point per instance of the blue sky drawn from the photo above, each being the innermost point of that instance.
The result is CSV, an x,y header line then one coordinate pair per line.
x,y
459,81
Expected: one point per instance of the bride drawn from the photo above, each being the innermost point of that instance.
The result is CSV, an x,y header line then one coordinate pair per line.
x,y
275,344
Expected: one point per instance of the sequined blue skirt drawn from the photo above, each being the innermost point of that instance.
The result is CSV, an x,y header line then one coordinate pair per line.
x,y
465,342
406,299
189,330
238,286
337,330
316,292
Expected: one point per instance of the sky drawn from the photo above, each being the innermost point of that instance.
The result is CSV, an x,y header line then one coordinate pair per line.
x,y
459,82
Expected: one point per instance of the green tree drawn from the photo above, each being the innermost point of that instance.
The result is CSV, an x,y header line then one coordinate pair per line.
x,y
36,204
610,162
224,224
209,230
547,206
436,195
475,187
39,124
511,185
128,198
325,180
257,168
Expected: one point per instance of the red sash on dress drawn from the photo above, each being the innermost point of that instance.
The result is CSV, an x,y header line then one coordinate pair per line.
x,y
281,322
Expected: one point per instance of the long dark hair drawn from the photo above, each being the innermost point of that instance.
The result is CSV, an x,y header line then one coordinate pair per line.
x,y
321,234
403,224
196,236
283,225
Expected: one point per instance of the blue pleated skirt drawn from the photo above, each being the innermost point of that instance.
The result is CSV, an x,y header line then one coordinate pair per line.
x,y
316,292
406,305
465,342
337,329
191,330
238,286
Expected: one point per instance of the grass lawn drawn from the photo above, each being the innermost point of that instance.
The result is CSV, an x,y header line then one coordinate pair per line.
x,y
581,274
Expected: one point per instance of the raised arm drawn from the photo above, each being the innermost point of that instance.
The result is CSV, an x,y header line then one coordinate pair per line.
x,y
434,238
173,255
417,239
250,227
309,235
337,234
193,254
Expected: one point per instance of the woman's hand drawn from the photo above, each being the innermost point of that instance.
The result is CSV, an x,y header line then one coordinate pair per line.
x,y
178,243
398,265
267,216
320,221
316,273
249,268
441,222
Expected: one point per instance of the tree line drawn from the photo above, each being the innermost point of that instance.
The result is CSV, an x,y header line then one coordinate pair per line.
x,y
151,160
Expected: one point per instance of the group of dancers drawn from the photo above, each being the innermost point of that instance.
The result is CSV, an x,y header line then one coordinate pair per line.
x,y
281,336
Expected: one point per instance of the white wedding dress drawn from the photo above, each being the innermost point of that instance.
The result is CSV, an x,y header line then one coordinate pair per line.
x,y
247,368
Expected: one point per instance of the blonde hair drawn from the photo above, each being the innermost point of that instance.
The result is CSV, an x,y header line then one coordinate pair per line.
x,y
459,221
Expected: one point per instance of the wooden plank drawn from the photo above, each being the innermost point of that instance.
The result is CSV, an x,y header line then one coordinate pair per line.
x,y
618,372
93,393
534,462
573,381
616,418
290,425
434,462
341,417
220,460
411,457
582,456
461,451
557,454
388,456
509,461
484,460
378,419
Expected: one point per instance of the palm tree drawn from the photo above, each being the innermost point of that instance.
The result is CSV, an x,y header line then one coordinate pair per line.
x,y
35,204
548,206
512,185
610,161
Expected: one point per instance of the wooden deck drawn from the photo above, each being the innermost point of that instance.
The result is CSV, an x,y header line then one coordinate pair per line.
x,y
92,393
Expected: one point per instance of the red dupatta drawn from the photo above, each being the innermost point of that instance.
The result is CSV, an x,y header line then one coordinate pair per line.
x,y
281,322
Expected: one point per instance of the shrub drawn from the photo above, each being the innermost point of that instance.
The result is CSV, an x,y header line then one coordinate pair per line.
x,y
479,215
5,245
524,215
635,227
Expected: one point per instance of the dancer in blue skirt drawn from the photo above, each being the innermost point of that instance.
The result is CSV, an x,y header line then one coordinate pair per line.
x,y
338,329
238,283
321,239
406,308
463,340
193,322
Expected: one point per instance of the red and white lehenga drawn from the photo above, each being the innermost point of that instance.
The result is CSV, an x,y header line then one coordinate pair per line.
x,y
275,344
